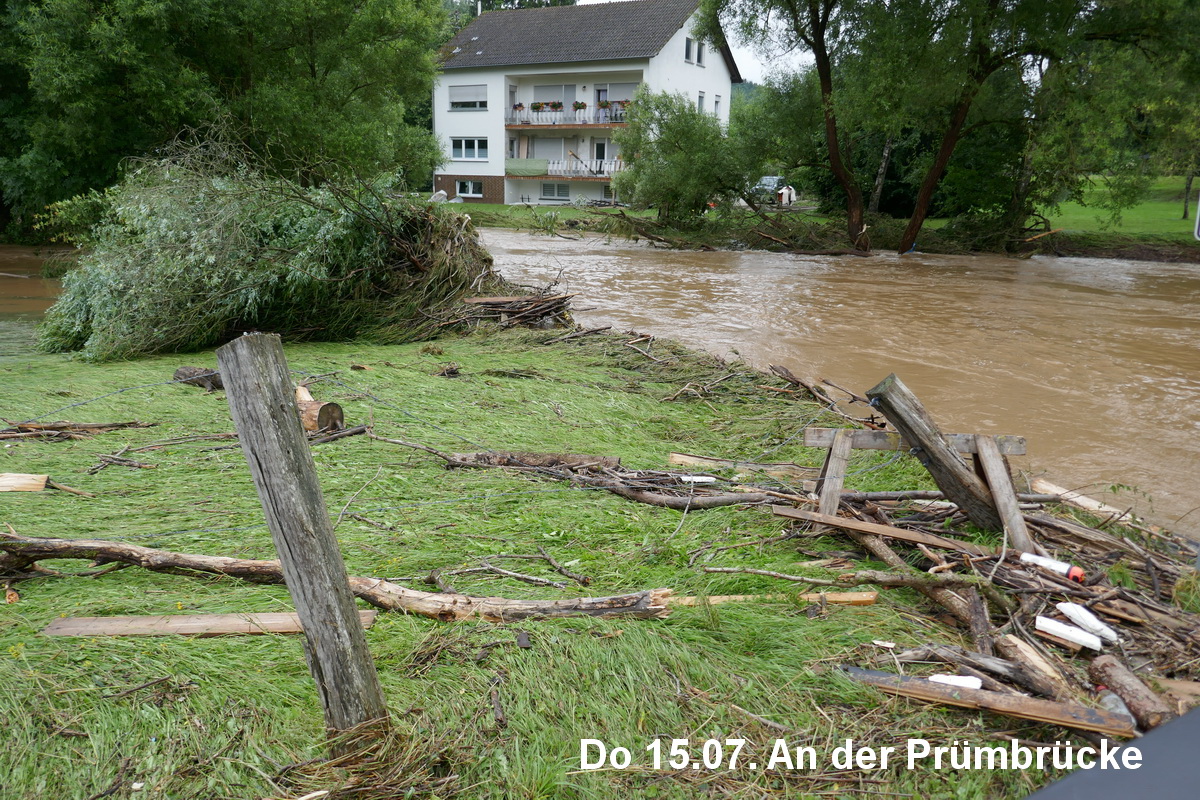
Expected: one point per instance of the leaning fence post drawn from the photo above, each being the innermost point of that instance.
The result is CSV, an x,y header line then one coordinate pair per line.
x,y
961,486
260,396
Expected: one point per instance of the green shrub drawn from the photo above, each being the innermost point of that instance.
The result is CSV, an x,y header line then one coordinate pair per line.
x,y
192,248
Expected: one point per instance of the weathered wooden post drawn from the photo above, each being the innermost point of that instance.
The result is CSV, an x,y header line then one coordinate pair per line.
x,y
260,399
959,483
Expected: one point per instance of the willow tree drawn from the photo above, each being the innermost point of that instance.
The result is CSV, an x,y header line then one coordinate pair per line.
x,y
924,64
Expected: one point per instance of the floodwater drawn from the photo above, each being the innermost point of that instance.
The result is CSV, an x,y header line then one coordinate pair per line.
x,y
24,296
1095,361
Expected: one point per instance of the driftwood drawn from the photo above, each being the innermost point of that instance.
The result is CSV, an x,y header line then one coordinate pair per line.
x,y
316,415
533,460
206,378
24,550
65,430
1147,708
1012,671
1068,715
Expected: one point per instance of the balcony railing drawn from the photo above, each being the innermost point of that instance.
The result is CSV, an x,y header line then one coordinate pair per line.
x,y
586,116
562,167
577,168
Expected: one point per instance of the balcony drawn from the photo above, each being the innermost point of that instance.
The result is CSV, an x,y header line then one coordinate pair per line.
x,y
587,116
596,169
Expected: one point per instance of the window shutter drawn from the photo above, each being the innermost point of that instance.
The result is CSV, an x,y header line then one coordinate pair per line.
x,y
468,94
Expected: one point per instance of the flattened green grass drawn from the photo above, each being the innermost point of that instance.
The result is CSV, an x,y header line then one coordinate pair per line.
x,y
233,713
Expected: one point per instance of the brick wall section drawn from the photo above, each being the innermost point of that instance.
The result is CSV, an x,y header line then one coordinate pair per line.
x,y
493,187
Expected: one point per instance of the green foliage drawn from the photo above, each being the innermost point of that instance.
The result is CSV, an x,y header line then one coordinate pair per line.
x,y
313,86
193,247
679,157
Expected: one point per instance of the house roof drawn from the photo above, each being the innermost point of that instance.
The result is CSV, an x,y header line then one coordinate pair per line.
x,y
562,34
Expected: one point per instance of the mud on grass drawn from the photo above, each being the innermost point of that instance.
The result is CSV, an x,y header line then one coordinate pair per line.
x,y
232,716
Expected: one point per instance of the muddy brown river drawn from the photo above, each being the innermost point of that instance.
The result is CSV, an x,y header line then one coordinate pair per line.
x,y
1095,361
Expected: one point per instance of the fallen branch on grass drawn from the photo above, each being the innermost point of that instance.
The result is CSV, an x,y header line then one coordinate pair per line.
x,y
21,551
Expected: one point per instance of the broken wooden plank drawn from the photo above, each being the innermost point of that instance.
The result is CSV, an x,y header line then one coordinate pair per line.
x,y
782,470
833,474
21,482
1049,679
995,470
1080,501
200,625
961,485
918,537
1069,715
887,440
833,598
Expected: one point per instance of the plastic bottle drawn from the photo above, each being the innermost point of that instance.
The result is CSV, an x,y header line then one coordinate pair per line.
x,y
1111,701
1071,571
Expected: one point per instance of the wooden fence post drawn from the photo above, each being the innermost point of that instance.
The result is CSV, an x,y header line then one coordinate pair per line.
x,y
959,483
260,396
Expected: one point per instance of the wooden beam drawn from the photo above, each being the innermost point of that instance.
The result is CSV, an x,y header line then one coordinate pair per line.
x,y
20,482
833,473
919,537
887,440
953,476
199,625
260,394
1004,494
1069,715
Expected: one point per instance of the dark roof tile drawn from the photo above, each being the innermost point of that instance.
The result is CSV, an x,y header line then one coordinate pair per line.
x,y
560,34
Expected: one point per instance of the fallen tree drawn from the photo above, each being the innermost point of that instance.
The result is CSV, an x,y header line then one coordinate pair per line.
x,y
20,553
199,245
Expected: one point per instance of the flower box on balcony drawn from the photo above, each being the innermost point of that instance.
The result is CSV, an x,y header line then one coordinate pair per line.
x,y
579,105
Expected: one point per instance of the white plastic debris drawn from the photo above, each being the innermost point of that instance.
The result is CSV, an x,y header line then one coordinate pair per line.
x,y
697,479
963,681
1069,632
1085,619
881,643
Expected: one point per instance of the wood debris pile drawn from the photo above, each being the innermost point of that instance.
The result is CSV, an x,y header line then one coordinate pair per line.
x,y
535,310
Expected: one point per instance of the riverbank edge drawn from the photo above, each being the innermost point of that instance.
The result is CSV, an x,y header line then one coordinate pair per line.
x,y
829,236
619,679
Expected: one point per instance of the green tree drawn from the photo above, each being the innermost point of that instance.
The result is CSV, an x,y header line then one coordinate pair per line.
x,y
311,85
678,157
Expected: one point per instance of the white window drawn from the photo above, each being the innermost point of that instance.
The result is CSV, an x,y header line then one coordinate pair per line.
x,y
688,46
556,191
468,98
469,149
717,105
700,53
700,102
470,188
608,192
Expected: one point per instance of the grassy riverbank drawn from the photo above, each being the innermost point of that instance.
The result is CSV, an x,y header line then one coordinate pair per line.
x,y
1152,230
225,716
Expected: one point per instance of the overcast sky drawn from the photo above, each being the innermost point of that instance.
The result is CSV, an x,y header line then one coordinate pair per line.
x,y
749,63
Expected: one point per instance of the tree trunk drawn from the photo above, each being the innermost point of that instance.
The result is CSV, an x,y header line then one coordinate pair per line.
x,y
934,176
1187,194
818,22
877,191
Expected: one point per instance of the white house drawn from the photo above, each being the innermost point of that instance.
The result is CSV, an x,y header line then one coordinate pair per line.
x,y
529,99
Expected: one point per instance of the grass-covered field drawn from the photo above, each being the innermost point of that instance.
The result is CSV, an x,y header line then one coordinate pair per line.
x,y
233,713
1159,214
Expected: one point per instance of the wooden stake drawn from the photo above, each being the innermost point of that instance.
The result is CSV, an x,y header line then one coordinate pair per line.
x,y
953,476
268,427
1004,494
